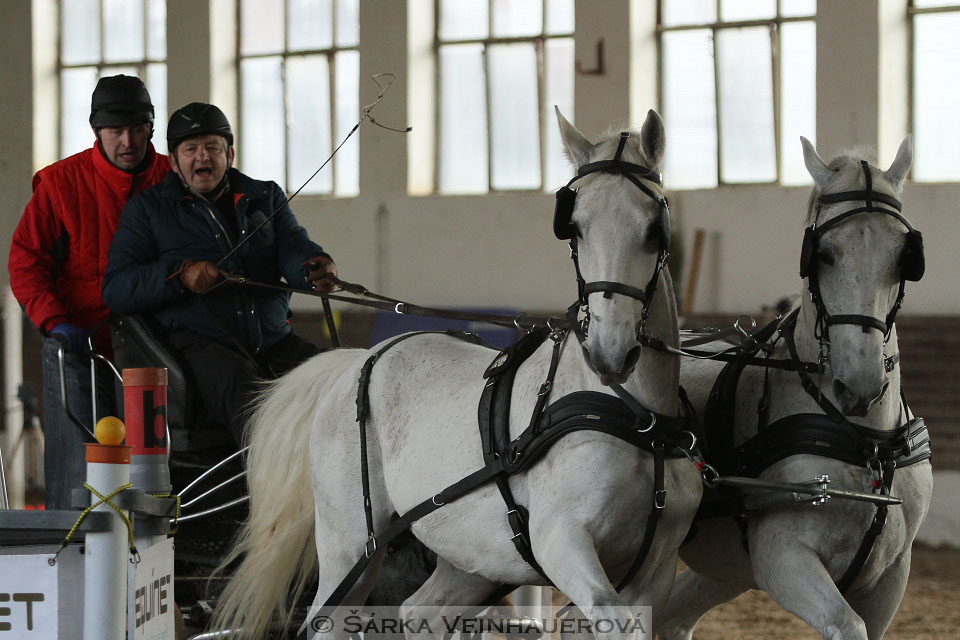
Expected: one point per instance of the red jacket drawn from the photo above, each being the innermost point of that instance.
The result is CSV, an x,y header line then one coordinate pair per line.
x,y
59,250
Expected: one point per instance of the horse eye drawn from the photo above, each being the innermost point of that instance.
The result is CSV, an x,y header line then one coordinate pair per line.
x,y
653,234
826,257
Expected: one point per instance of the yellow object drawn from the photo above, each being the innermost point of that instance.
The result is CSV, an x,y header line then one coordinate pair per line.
x,y
109,430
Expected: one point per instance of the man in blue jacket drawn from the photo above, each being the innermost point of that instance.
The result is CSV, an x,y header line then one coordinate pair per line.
x,y
168,255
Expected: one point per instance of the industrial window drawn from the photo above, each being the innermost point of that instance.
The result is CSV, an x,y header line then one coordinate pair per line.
x,y
299,94
103,38
502,65
936,61
738,88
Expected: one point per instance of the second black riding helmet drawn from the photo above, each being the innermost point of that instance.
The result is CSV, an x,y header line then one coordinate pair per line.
x,y
197,119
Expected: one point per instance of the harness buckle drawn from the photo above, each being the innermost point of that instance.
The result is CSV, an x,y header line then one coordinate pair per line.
x,y
660,499
371,547
545,388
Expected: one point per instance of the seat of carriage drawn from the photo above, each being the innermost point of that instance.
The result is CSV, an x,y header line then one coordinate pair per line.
x,y
197,443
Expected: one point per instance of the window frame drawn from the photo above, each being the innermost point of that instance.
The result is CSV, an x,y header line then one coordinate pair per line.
x,y
912,12
330,53
101,65
539,42
774,24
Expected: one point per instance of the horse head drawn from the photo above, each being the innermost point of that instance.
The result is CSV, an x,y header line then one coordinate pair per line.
x,y
615,215
858,251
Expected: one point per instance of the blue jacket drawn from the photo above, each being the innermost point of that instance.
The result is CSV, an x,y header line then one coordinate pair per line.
x,y
165,225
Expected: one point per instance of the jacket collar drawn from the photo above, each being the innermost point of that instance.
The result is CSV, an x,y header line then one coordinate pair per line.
x,y
118,178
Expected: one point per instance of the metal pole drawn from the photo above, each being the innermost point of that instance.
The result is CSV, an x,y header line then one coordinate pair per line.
x,y
105,552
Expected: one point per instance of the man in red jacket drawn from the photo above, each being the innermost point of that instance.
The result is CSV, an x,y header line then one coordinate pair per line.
x,y
59,254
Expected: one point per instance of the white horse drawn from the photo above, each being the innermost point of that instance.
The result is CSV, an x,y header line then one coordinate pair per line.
x,y
797,553
588,497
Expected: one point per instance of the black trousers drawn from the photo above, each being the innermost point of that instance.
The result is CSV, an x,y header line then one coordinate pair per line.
x,y
227,379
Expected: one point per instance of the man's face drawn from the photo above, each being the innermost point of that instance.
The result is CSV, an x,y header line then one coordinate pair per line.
x,y
125,146
202,161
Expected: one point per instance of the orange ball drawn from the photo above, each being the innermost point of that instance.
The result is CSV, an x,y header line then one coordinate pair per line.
x,y
109,430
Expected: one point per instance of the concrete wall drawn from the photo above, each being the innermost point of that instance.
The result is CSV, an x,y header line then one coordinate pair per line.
x,y
498,250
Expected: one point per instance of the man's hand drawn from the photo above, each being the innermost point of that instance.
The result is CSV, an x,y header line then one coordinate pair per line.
x,y
74,338
317,270
200,276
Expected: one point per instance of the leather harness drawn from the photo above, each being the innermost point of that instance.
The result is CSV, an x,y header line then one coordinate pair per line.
x,y
829,435
621,416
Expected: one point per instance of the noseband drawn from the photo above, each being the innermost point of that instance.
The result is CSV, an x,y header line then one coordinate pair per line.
x,y
565,230
911,261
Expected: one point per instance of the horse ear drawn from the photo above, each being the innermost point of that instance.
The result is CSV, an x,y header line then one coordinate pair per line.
x,y
817,168
901,164
576,145
653,138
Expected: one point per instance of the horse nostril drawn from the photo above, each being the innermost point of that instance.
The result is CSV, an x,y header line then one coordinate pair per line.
x,y
839,389
633,356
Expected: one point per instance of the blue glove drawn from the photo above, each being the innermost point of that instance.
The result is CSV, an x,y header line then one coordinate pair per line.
x,y
73,337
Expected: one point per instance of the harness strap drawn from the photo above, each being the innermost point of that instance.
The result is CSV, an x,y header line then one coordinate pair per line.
x,y
870,537
363,413
448,495
659,503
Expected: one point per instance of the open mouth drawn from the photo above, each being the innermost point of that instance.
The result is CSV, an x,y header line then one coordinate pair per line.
x,y
204,172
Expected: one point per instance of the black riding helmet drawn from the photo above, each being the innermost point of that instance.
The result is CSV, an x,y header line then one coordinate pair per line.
x,y
120,101
197,119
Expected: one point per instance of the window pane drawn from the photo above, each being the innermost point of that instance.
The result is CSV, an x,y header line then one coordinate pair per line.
x,y
308,91
262,145
798,8
517,17
80,31
462,19
122,30
558,90
731,10
923,4
347,162
689,109
798,97
676,12
560,17
310,24
463,120
157,86
261,27
935,98
348,23
156,29
746,105
76,87
514,117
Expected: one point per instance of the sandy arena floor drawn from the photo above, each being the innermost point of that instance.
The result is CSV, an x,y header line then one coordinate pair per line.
x,y
930,608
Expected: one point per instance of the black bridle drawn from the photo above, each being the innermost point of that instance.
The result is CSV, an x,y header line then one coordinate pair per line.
x,y
911,263
566,230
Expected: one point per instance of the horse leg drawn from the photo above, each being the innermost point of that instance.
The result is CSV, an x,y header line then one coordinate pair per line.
x,y
878,605
652,589
446,593
796,579
570,560
693,596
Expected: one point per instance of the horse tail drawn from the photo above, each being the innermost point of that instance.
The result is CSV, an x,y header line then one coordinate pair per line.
x,y
275,544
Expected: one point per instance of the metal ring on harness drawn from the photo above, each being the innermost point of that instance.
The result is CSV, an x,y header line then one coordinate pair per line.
x,y
396,309
710,476
693,441
371,547
516,322
653,421
439,503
